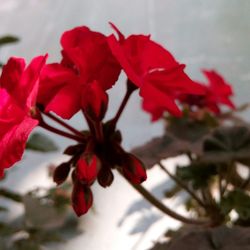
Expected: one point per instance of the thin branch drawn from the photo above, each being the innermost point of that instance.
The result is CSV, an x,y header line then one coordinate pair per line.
x,y
64,124
162,207
130,89
11,195
59,132
183,185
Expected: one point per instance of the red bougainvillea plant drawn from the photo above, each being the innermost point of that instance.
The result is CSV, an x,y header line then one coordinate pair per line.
x,y
91,64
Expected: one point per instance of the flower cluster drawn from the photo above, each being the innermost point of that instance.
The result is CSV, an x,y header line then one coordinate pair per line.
x,y
91,64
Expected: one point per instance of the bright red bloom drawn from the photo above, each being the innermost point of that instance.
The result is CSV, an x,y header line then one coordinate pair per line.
x,y
87,59
217,92
18,88
82,198
154,70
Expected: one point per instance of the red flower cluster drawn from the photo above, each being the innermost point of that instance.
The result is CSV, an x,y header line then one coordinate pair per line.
x,y
154,71
91,64
217,92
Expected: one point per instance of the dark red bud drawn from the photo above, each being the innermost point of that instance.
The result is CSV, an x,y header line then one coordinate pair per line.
x,y
87,168
61,173
82,199
105,177
94,101
133,169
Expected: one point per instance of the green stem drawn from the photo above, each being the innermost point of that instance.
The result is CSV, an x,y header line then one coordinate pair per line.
x,y
183,185
11,195
162,207
130,89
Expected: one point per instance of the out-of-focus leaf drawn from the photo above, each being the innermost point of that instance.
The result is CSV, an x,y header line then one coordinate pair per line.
x,y
49,216
228,144
27,244
41,142
3,209
188,129
8,39
198,173
170,193
239,201
194,238
6,229
163,147
10,195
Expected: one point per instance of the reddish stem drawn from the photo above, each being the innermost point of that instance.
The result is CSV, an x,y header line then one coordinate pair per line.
x,y
130,89
99,131
59,132
64,124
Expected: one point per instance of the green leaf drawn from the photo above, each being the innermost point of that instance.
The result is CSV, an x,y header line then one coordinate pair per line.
x,y
8,194
199,174
3,209
4,40
228,144
41,142
188,129
239,201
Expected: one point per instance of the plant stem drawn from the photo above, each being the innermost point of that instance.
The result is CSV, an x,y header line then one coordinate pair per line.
x,y
11,195
183,185
162,207
99,131
156,203
89,122
64,124
59,132
130,89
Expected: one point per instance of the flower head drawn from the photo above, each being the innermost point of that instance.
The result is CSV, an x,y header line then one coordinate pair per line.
x,y
87,60
18,90
154,70
217,92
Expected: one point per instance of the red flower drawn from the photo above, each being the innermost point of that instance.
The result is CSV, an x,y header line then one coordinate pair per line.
x,y
217,92
87,59
154,70
18,89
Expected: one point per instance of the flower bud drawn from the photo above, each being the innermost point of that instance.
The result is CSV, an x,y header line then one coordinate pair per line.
x,y
133,169
87,168
61,173
82,198
105,177
94,101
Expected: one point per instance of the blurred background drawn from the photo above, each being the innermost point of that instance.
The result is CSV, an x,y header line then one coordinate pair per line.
x,y
202,34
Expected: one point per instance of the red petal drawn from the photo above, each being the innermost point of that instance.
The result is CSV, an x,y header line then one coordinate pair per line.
x,y
12,73
157,102
121,57
120,35
67,102
91,55
22,84
12,144
53,77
